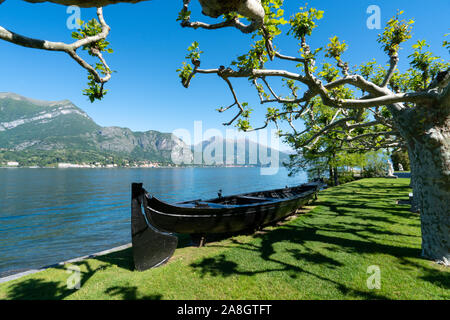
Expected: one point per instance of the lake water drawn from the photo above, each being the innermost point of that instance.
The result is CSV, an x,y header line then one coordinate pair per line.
x,y
52,215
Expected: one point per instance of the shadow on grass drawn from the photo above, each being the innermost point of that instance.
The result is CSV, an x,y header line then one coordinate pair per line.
x,y
223,266
130,293
376,186
39,289
220,266
363,233
390,210
121,259
438,280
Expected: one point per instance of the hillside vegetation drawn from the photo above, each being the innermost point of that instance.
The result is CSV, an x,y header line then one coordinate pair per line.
x,y
44,133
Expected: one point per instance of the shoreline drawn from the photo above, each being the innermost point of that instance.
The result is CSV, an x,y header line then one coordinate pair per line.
x,y
21,274
161,167
318,257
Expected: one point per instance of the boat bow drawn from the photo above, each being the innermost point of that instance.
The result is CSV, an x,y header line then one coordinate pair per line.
x,y
151,247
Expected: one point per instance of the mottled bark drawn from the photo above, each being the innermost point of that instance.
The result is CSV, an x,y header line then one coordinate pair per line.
x,y
251,9
426,130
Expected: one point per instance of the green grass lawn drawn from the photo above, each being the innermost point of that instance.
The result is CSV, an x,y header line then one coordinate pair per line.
x,y
323,254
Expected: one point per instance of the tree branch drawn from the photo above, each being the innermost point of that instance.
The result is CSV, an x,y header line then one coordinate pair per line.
x,y
415,97
252,9
70,49
236,102
393,65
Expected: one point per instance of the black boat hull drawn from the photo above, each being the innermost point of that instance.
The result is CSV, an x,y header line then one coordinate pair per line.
x,y
222,220
153,228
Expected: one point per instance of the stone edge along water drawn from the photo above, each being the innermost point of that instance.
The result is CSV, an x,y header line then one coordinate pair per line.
x,y
32,271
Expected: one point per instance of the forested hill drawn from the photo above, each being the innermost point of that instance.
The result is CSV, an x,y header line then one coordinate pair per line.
x,y
45,133
238,151
35,132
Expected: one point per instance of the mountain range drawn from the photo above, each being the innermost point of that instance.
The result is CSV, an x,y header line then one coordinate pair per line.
x,y
35,132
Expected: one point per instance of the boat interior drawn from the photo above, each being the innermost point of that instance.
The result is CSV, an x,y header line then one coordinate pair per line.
x,y
260,197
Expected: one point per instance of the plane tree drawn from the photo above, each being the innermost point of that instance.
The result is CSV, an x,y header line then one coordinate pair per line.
x,y
336,148
326,154
386,108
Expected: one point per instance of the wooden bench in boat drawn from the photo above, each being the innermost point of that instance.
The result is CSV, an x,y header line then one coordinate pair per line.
x,y
259,199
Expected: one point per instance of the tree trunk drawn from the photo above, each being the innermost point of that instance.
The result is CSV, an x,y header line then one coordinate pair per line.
x,y
336,176
330,168
432,194
426,131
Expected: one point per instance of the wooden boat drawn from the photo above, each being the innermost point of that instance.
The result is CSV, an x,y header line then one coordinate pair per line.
x,y
154,228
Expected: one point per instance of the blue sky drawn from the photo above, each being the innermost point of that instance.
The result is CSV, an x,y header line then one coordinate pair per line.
x,y
145,93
